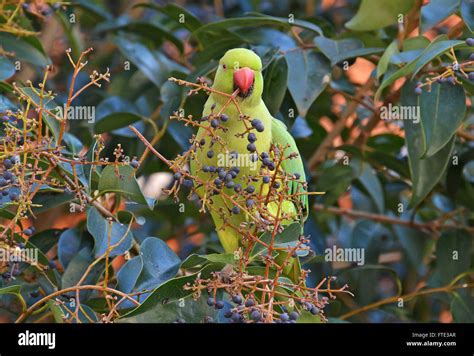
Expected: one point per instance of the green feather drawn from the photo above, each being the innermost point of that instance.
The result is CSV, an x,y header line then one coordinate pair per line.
x,y
281,136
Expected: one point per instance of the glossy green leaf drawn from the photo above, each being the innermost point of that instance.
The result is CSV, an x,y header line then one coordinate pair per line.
x,y
339,50
108,233
23,50
382,66
285,238
115,121
121,180
173,290
453,257
375,14
254,21
372,184
425,172
7,69
275,85
435,11
189,310
16,291
467,13
462,306
441,112
309,74
151,31
178,14
154,64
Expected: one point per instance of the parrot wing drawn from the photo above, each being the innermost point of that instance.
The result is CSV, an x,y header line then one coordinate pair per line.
x,y
281,136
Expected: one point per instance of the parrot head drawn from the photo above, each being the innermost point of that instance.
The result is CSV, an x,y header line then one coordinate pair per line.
x,y
240,69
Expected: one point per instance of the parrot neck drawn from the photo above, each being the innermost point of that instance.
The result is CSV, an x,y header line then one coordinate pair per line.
x,y
244,103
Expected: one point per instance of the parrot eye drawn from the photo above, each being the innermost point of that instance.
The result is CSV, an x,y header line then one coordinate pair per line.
x,y
224,67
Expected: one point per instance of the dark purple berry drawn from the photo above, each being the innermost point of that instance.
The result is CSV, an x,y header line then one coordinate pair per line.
x,y
210,154
418,91
188,183
249,303
251,147
237,299
28,232
177,176
266,179
235,317
214,123
284,317
294,315
219,304
236,210
314,311
211,302
134,163
470,41
250,189
252,137
7,163
255,315
224,118
255,122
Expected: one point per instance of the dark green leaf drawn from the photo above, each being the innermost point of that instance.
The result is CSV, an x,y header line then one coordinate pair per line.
x,y
467,13
339,50
108,233
121,180
453,256
285,238
23,50
375,14
309,74
435,11
7,69
441,112
178,14
189,310
276,83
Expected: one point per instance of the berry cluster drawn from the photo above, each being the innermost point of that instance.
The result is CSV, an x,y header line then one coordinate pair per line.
x,y
248,192
452,73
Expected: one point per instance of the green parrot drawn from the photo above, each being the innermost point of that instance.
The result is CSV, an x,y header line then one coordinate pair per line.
x,y
252,136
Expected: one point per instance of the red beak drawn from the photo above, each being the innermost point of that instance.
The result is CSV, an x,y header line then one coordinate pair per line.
x,y
243,79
